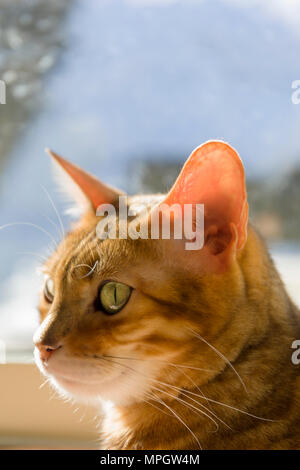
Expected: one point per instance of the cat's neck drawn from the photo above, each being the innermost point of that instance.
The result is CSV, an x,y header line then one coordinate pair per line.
x,y
223,399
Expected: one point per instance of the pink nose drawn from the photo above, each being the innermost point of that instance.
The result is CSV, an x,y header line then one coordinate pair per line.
x,y
45,351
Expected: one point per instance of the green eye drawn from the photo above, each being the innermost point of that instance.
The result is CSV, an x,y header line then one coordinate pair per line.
x,y
113,297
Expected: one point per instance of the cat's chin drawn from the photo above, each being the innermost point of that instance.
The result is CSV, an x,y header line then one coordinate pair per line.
x,y
80,391
120,389
94,393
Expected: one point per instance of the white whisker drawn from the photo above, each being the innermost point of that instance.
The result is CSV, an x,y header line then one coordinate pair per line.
x,y
197,395
220,355
184,366
55,210
33,253
181,420
92,268
188,405
41,229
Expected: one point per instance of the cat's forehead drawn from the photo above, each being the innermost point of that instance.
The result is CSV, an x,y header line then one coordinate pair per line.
x,y
82,253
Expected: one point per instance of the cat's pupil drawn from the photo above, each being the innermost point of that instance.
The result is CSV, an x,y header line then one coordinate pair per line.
x,y
113,297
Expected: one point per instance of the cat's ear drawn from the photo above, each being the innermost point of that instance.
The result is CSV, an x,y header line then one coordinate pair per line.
x,y
81,187
214,176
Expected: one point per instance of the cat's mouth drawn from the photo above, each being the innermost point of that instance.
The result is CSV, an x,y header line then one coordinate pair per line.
x,y
80,377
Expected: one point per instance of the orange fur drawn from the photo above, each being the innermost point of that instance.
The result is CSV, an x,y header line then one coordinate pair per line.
x,y
194,350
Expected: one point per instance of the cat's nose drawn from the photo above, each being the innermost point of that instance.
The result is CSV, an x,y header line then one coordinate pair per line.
x,y
46,351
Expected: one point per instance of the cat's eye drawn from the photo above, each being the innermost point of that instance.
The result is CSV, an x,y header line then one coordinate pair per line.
x,y
113,296
49,290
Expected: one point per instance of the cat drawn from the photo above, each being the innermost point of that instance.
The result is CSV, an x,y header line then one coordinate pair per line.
x,y
178,349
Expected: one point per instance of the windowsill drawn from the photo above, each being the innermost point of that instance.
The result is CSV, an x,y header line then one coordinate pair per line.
x,y
41,443
34,417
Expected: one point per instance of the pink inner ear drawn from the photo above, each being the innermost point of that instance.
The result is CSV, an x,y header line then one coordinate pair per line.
x,y
94,190
214,176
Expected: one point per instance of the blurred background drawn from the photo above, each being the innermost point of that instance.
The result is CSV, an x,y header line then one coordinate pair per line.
x,y
127,89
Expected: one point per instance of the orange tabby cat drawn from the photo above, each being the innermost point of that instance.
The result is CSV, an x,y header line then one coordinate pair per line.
x,y
182,349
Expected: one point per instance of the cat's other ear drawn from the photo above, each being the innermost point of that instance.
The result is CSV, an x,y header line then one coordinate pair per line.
x,y
214,176
80,187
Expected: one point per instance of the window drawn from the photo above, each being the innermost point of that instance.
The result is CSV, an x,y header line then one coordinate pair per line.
x,y
128,89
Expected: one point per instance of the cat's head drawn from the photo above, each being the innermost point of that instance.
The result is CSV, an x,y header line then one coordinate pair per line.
x,y
119,316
